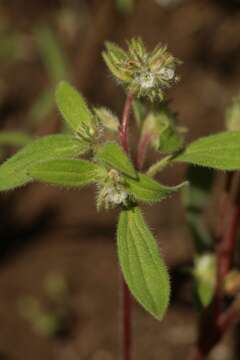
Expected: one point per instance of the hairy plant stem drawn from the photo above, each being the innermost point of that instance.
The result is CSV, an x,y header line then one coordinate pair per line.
x,y
215,320
126,296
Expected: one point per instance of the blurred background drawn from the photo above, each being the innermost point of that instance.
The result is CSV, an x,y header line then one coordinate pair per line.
x,y
58,266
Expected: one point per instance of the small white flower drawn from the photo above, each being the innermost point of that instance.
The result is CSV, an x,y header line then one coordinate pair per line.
x,y
116,196
146,80
167,73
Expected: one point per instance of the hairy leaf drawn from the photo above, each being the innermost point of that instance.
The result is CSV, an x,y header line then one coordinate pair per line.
x,y
112,155
74,108
14,138
220,151
107,118
69,173
14,171
148,190
142,265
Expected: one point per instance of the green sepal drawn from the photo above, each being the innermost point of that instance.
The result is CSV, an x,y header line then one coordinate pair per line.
x,y
68,173
107,118
143,268
220,151
75,110
112,155
114,57
14,171
150,191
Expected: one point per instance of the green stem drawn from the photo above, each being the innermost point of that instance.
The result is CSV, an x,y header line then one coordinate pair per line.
x,y
126,296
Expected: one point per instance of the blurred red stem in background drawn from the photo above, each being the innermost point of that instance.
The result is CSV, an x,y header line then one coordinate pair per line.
x,y
125,120
126,296
142,148
215,321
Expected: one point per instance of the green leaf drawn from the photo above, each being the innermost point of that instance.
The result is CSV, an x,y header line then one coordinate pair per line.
x,y
170,140
74,109
14,171
14,138
112,155
69,173
143,268
205,277
195,199
220,151
148,190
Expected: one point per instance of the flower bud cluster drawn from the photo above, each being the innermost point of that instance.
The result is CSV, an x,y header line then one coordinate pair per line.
x,y
113,193
144,74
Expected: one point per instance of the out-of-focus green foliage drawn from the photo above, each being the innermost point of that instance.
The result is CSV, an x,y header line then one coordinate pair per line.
x,y
51,54
55,63
195,199
54,317
205,277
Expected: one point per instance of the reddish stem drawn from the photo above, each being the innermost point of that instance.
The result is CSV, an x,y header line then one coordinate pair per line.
x,y
142,148
126,296
125,120
126,326
227,246
215,321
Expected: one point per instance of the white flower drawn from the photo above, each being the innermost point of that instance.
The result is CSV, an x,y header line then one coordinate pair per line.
x,y
146,80
116,196
167,73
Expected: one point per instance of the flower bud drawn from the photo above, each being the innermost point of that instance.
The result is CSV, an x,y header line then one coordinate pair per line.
x,y
144,74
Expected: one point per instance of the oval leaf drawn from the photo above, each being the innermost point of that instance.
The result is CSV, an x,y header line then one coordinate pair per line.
x,y
73,107
148,190
143,268
220,151
14,171
112,155
69,173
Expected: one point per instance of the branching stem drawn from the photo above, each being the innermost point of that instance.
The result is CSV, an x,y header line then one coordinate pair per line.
x,y
126,296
